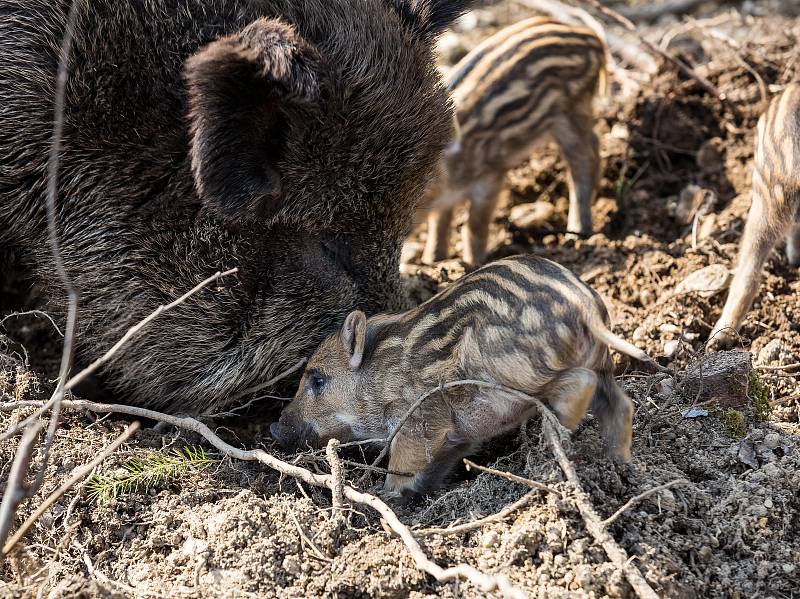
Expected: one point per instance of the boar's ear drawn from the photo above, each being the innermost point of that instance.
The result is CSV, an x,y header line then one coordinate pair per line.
x,y
243,88
428,18
353,335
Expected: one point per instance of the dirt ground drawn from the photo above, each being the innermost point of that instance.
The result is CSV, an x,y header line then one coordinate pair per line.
x,y
233,529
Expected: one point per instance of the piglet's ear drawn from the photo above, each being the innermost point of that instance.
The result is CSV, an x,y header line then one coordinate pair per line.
x,y
353,336
243,91
428,18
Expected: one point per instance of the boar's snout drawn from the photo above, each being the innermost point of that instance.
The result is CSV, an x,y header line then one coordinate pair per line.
x,y
290,432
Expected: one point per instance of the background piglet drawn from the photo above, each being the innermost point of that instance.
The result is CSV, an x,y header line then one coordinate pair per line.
x,y
530,83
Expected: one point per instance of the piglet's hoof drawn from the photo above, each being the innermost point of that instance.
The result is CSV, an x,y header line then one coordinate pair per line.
x,y
722,337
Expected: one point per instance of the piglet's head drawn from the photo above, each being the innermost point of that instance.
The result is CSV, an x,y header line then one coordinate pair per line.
x,y
326,403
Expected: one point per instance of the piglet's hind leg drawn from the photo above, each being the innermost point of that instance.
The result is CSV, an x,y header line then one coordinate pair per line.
x,y
793,245
614,412
570,394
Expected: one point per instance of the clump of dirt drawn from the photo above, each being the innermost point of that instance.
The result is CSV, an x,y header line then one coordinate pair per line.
x,y
731,530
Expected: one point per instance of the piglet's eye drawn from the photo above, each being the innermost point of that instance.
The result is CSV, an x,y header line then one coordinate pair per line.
x,y
316,382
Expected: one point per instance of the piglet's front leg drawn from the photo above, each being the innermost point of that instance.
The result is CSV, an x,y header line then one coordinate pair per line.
x,y
426,461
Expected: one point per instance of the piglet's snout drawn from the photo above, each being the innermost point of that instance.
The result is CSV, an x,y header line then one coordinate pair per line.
x,y
290,432
284,435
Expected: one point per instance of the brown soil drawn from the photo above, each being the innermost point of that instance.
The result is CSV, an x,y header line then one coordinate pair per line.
x,y
237,530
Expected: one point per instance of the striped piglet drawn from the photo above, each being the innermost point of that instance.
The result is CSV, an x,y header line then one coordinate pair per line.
x,y
524,323
530,83
774,211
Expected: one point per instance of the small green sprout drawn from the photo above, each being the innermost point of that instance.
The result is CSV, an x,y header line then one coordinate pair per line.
x,y
145,473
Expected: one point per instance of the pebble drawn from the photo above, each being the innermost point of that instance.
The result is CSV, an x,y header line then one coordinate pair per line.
x,y
291,564
771,352
669,329
707,281
665,387
531,214
489,539
772,440
671,347
705,553
620,131
639,334
647,297
771,470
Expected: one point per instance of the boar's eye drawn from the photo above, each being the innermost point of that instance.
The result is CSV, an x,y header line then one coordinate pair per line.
x,y
316,382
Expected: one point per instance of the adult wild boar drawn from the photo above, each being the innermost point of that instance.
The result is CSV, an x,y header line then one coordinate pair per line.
x,y
288,138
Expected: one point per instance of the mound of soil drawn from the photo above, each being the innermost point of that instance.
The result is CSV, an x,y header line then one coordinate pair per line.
x,y
233,529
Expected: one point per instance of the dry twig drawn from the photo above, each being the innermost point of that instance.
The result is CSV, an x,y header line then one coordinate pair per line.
x,y
83,374
16,488
682,66
271,382
476,524
593,523
77,475
651,12
634,500
39,313
512,477
484,582
786,367
55,249
337,476
304,537
463,383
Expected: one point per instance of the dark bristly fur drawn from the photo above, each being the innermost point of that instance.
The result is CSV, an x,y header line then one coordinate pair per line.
x,y
530,82
774,211
288,138
522,322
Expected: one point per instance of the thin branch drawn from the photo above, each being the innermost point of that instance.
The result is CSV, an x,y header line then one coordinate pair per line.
x,y
71,383
52,238
77,475
483,582
91,368
105,580
462,383
785,367
634,500
278,377
337,476
304,537
784,400
593,523
651,12
361,466
682,66
512,477
16,489
476,524
41,313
